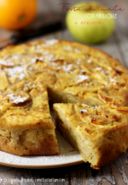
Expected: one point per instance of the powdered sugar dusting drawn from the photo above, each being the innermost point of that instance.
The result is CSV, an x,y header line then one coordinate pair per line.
x,y
6,63
51,42
81,78
67,68
47,57
17,71
82,111
18,99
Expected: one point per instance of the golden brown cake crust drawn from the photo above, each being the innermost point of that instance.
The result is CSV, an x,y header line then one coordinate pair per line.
x,y
26,126
100,133
72,73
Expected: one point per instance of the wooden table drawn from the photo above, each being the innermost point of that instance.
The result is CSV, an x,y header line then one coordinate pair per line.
x,y
114,174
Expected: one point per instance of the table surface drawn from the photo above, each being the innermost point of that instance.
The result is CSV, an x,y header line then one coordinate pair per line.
x,y
114,174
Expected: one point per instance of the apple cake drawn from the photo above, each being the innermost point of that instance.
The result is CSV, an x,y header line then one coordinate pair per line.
x,y
99,132
74,75
26,126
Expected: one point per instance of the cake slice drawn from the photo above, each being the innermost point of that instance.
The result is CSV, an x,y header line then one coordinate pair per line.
x,y
99,132
26,126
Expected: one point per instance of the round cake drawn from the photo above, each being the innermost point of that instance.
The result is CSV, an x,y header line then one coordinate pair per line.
x,y
70,73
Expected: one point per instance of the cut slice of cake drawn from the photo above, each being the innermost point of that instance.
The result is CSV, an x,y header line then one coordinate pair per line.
x,y
26,126
99,132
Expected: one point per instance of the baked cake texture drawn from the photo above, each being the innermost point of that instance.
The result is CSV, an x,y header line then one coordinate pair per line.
x,y
99,132
70,73
26,126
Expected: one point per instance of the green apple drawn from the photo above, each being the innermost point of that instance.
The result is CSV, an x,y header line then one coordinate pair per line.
x,y
90,22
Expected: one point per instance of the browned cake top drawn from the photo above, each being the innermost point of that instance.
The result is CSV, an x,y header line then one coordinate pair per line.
x,y
93,120
25,104
69,68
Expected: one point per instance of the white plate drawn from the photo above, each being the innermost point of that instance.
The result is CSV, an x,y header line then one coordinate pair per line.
x,y
69,156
